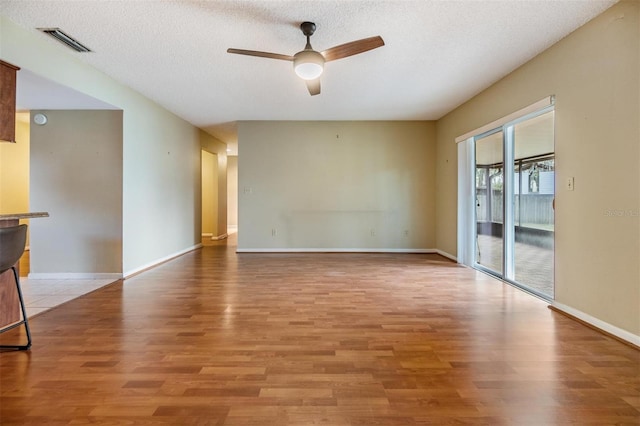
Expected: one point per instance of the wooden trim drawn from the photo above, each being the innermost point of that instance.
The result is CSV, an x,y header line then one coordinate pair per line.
x,y
8,65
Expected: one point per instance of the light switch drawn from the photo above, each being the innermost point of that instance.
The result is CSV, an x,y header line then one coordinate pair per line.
x,y
570,183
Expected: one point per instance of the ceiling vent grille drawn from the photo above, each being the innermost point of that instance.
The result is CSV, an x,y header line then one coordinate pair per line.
x,y
59,35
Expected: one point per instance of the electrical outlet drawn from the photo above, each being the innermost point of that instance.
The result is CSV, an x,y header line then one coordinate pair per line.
x,y
274,232
373,232
406,232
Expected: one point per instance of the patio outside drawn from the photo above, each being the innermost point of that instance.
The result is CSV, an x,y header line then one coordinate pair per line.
x,y
534,266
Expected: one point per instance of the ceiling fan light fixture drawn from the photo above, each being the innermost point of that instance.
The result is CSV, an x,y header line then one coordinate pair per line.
x,y
308,64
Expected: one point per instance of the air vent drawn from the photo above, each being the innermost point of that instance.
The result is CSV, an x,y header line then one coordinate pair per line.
x,y
59,35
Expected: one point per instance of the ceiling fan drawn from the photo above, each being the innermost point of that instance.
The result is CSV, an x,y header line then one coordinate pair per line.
x,y
308,63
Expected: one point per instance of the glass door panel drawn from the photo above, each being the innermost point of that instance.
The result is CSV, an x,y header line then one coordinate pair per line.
x,y
489,173
533,189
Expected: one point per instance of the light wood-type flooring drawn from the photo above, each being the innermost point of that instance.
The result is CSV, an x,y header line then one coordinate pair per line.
x,y
219,338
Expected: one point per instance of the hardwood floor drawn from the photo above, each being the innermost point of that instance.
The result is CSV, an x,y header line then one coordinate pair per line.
x,y
219,338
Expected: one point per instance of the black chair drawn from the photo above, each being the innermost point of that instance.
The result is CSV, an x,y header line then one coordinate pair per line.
x,y
12,243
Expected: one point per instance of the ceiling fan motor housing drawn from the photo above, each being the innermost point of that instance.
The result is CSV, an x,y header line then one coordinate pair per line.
x,y
308,28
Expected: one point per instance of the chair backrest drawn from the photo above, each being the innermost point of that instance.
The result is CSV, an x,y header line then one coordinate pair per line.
x,y
12,243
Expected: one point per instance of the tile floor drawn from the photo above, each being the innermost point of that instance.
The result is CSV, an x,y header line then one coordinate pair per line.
x,y
42,295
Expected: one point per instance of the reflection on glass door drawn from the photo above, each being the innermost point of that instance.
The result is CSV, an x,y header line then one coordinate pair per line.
x,y
489,174
514,189
534,192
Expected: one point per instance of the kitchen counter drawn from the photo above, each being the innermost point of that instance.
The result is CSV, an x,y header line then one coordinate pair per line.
x,y
18,216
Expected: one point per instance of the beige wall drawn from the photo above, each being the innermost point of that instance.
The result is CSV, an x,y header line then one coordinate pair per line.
x,y
232,191
336,185
14,169
594,74
161,152
76,176
209,194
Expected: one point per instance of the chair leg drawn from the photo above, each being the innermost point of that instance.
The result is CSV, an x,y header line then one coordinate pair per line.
x,y
24,321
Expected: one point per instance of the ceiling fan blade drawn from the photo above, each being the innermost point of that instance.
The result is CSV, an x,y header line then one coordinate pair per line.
x,y
352,48
313,86
261,54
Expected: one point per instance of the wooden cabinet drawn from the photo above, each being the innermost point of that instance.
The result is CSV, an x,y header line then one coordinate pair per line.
x,y
8,102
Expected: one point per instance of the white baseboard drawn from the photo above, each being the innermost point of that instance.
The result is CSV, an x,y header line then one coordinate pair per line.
x,y
595,322
74,276
447,255
333,250
159,261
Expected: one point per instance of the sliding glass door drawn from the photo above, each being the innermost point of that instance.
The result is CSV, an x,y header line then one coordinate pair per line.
x,y
514,171
489,174
534,193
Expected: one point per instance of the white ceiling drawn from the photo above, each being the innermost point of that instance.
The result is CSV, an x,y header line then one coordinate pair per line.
x,y
437,54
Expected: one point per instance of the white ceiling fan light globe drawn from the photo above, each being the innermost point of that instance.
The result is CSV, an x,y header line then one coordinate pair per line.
x,y
308,71
308,64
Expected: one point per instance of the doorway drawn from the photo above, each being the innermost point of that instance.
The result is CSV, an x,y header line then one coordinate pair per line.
x,y
209,169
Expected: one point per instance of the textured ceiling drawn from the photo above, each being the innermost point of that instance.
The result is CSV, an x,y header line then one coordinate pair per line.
x,y
437,55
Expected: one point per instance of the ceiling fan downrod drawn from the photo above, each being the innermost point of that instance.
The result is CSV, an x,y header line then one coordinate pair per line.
x,y
308,28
